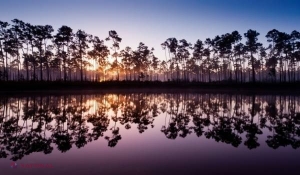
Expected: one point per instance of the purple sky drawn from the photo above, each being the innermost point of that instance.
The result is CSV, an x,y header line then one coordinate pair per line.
x,y
153,21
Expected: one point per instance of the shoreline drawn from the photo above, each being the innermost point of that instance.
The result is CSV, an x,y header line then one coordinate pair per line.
x,y
147,87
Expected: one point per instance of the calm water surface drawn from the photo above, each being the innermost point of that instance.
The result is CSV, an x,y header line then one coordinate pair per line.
x,y
143,133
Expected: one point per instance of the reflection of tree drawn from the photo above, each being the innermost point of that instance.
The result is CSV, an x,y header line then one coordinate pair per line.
x,y
198,121
100,122
34,124
252,128
286,132
182,121
140,114
137,112
112,141
238,114
20,143
222,131
63,140
179,120
61,136
78,125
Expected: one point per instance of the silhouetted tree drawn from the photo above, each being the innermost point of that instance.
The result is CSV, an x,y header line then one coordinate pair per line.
x,y
63,39
113,35
252,47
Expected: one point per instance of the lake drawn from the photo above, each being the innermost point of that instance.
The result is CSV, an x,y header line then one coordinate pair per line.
x,y
149,133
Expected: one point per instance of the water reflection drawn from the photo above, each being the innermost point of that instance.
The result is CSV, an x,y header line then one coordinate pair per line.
x,y
44,123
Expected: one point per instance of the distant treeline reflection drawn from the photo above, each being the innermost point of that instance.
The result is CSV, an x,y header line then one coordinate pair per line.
x,y
42,123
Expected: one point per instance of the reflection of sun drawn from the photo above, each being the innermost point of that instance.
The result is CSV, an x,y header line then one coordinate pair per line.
x,y
112,98
93,106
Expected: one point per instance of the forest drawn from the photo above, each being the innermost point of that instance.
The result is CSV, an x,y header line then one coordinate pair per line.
x,y
38,53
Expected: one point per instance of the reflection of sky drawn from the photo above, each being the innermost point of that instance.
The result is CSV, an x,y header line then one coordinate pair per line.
x,y
153,21
152,153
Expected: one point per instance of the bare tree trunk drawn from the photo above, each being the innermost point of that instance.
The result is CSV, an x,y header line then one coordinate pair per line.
x,y
253,68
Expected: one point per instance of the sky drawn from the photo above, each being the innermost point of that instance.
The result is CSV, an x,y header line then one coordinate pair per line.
x,y
154,21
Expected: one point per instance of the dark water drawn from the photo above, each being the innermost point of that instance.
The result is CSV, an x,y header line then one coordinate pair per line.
x,y
150,134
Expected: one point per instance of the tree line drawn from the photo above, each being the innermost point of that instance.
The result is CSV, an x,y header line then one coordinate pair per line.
x,y
35,53
38,123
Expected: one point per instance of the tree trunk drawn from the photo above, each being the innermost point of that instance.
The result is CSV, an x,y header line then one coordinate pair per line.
x,y
253,69
41,64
